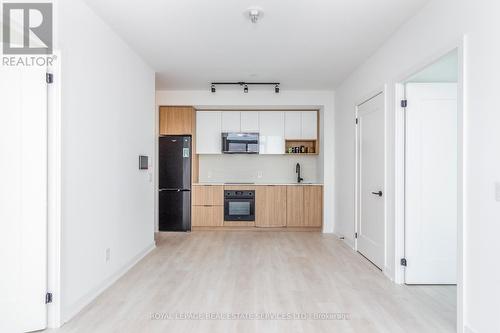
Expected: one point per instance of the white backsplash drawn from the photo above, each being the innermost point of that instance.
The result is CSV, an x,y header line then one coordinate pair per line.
x,y
257,168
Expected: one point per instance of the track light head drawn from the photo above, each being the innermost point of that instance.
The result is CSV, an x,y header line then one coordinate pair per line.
x,y
212,88
245,89
277,88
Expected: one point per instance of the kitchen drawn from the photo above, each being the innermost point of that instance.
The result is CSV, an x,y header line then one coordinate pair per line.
x,y
242,169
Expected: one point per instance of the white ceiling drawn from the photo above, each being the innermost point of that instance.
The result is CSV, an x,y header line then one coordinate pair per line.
x,y
304,44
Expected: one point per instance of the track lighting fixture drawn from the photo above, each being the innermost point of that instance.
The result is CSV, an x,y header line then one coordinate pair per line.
x,y
245,85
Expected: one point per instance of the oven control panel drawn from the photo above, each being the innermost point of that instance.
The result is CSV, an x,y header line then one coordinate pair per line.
x,y
239,194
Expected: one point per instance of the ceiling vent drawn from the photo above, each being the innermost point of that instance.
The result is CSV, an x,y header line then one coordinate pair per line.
x,y
254,14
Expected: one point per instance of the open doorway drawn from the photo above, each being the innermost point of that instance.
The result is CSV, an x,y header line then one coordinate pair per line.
x,y
431,180
431,173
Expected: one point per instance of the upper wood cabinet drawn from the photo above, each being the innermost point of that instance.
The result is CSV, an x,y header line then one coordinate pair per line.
x,y
208,132
249,121
270,206
176,120
271,132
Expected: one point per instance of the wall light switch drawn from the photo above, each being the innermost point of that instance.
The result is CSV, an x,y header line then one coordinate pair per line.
x,y
497,191
259,174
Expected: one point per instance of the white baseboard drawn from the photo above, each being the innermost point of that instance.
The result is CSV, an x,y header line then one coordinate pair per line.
x,y
388,273
78,306
346,240
467,329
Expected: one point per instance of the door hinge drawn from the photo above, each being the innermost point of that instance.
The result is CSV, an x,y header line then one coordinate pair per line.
x,y
48,298
404,103
356,121
49,77
404,262
355,235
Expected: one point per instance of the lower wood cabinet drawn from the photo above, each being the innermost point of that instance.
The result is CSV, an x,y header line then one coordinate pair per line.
x,y
295,206
207,216
313,206
304,206
270,206
207,209
208,195
275,206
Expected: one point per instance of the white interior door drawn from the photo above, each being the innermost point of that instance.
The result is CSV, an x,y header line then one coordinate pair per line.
x,y
431,183
23,199
371,175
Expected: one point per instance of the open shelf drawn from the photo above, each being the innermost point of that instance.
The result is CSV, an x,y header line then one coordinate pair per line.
x,y
312,147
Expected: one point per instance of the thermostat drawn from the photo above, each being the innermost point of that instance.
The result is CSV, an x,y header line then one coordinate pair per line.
x,y
143,162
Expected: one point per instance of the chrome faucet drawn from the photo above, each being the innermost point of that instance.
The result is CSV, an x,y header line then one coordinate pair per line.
x,y
297,171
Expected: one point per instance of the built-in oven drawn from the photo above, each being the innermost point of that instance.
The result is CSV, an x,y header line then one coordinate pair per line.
x,y
240,143
239,205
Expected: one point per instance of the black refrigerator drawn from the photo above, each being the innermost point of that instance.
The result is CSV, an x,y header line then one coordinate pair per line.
x,y
174,195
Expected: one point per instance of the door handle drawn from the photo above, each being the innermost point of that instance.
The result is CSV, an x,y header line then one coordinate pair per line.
x,y
379,193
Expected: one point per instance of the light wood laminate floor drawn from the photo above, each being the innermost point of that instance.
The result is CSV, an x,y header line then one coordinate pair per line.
x,y
263,272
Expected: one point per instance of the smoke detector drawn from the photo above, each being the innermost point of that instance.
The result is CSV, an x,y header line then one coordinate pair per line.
x,y
254,14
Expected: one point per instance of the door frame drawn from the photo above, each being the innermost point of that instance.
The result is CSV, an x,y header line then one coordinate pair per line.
x,y
399,184
357,191
54,193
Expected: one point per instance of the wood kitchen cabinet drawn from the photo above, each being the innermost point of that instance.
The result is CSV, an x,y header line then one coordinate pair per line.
x,y
295,206
207,206
304,207
211,195
270,206
180,120
207,216
176,120
313,206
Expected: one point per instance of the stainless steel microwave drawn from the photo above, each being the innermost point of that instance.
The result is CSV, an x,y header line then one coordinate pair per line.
x,y
240,143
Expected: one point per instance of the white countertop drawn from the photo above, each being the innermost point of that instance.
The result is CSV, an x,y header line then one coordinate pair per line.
x,y
260,184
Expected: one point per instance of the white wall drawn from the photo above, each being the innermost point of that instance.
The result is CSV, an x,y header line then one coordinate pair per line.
x,y
436,29
258,168
321,100
107,122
